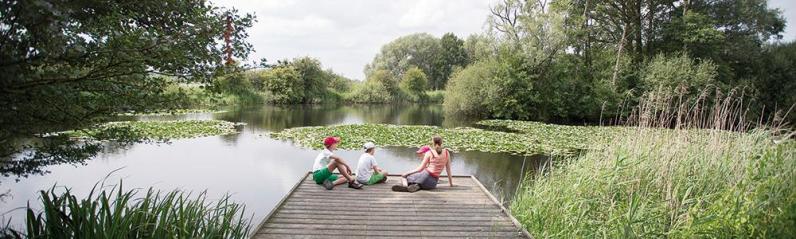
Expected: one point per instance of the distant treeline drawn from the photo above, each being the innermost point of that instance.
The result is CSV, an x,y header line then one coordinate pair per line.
x,y
587,60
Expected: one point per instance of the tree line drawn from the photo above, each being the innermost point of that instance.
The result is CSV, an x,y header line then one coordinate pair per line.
x,y
587,60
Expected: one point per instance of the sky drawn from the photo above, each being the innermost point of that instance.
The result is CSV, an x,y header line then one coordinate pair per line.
x,y
346,34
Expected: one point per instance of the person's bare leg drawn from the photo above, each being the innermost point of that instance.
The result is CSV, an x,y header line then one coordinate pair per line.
x,y
404,182
385,176
342,169
340,181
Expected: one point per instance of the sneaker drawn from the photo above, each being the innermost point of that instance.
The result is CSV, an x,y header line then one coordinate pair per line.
x,y
355,185
399,188
328,184
413,188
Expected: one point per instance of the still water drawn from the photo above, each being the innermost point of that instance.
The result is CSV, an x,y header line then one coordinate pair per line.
x,y
253,168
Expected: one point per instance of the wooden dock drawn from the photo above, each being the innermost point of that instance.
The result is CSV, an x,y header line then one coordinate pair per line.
x,y
466,210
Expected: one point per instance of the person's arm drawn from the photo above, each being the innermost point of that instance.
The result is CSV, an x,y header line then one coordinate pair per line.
x,y
342,162
422,166
448,168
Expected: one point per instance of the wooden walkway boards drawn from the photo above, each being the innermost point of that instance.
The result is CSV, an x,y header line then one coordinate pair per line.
x,y
466,210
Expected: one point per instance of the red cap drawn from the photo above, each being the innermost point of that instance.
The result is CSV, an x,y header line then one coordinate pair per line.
x,y
328,141
423,149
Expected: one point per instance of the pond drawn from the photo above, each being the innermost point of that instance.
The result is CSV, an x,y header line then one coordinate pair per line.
x,y
255,169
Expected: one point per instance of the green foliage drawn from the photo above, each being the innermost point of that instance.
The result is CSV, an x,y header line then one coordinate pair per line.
x,y
414,84
155,130
679,74
777,82
387,81
120,213
451,54
284,85
679,183
470,90
71,65
314,79
399,55
370,91
531,137
436,96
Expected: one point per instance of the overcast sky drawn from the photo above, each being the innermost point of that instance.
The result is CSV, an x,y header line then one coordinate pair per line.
x,y
345,35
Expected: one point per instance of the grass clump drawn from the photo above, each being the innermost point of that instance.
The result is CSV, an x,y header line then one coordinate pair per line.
x,y
680,183
550,142
155,130
119,213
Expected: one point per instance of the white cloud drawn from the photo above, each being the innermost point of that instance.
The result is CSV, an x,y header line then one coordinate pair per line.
x,y
345,35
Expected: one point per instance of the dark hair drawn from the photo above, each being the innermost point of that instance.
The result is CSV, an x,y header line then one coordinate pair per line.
x,y
436,142
369,150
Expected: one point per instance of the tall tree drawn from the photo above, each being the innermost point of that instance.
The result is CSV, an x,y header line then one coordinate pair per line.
x,y
399,55
451,54
68,64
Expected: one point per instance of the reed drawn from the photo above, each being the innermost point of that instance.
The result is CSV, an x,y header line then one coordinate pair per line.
x,y
688,168
120,213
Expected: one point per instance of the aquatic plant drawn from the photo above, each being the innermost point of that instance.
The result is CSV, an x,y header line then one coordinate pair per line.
x,y
547,139
155,130
723,180
120,213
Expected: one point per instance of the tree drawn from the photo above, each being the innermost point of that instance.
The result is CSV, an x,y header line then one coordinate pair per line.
x,y
418,50
284,85
451,54
71,64
387,80
414,84
313,78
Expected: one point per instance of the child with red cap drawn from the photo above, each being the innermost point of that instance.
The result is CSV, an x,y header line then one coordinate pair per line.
x,y
325,164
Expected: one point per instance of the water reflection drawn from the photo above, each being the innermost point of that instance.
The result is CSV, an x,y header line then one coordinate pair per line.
x,y
257,170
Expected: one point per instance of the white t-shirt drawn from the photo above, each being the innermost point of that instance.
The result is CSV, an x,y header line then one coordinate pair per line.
x,y
365,167
322,160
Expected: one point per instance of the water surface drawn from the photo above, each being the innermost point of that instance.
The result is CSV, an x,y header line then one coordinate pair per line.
x,y
253,168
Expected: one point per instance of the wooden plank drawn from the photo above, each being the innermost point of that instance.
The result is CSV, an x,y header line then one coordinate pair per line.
x,y
292,204
467,210
377,233
376,217
281,201
379,209
480,228
407,214
507,212
391,222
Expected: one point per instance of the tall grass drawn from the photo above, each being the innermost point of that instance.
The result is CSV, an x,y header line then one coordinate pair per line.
x,y
119,213
690,168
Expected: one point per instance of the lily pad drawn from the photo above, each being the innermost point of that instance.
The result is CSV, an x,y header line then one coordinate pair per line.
x,y
155,130
530,138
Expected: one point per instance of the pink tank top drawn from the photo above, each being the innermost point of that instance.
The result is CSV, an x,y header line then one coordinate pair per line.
x,y
437,164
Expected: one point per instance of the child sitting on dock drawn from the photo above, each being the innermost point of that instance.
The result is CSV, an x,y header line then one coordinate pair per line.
x,y
368,171
325,164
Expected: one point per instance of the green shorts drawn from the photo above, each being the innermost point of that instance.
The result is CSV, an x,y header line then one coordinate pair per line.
x,y
375,178
323,174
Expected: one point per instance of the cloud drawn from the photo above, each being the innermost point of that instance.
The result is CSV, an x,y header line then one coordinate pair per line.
x,y
345,35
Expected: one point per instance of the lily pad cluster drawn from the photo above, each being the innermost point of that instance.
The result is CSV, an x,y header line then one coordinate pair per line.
x,y
155,130
529,138
171,112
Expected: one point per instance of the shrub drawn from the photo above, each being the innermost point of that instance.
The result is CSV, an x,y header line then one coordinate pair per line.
x,y
678,74
369,91
414,84
387,82
283,85
437,96
467,91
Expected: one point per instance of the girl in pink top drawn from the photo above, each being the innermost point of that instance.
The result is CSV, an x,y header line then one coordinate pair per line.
x,y
427,174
